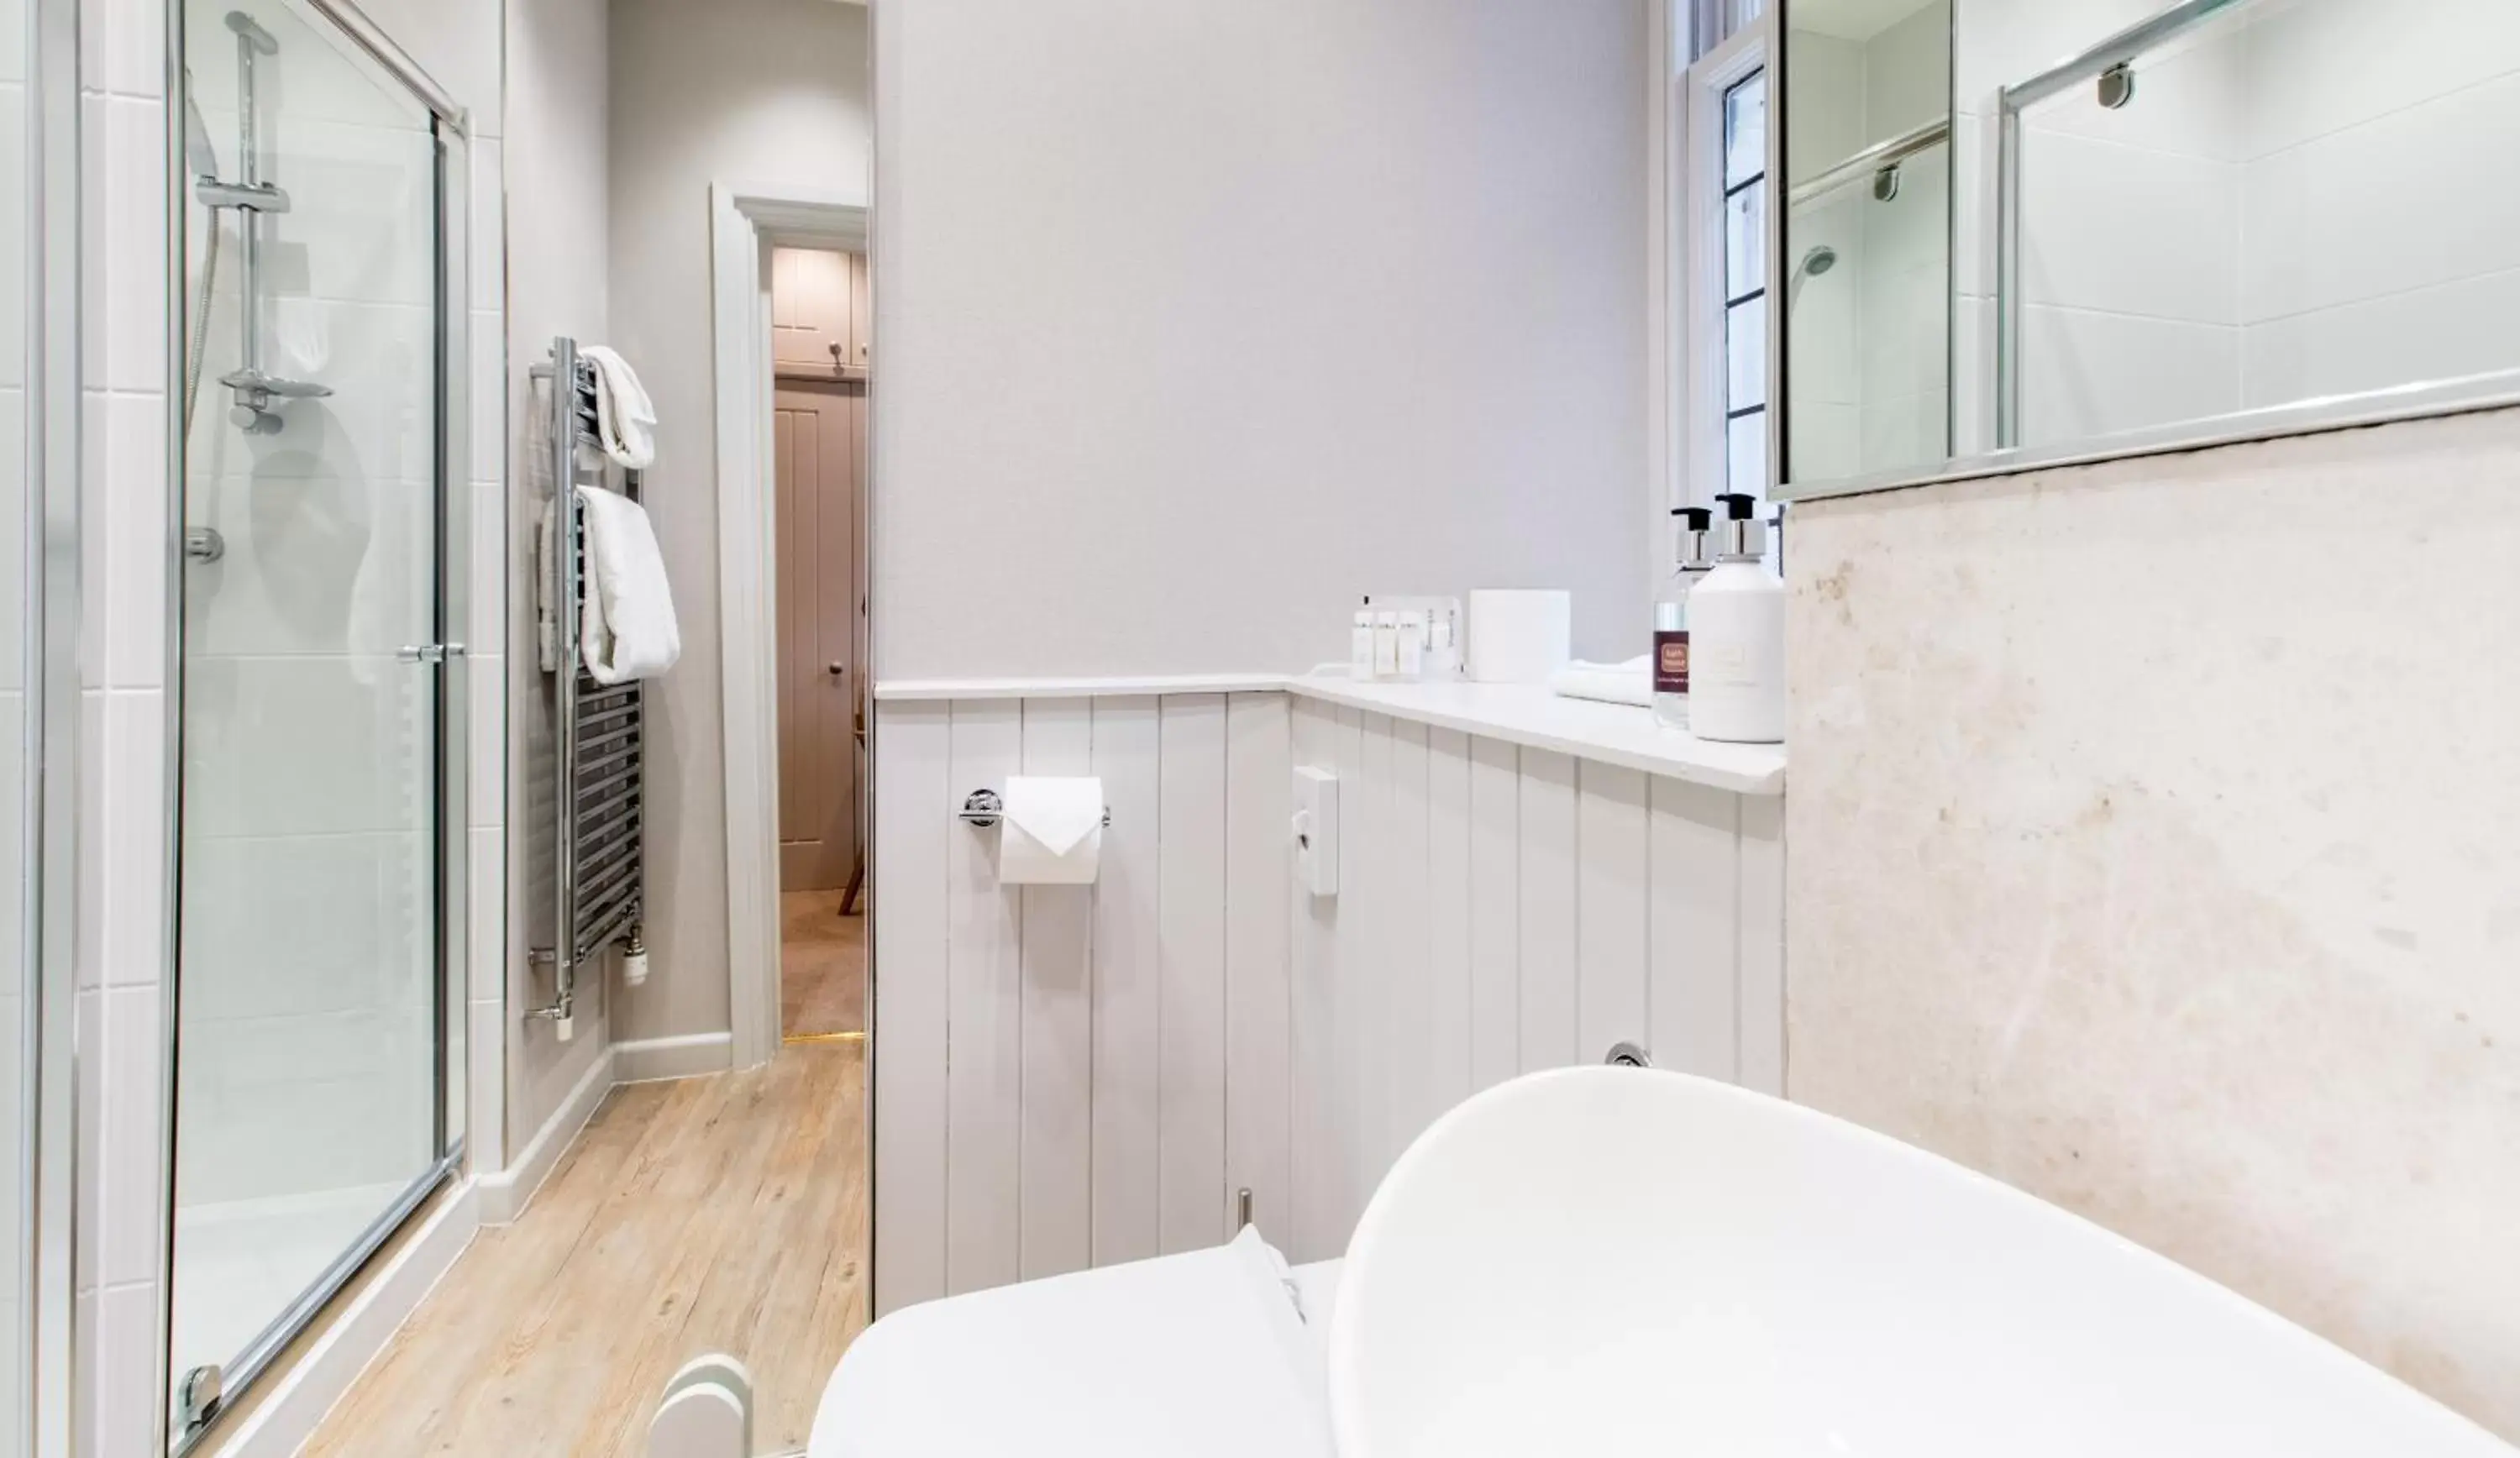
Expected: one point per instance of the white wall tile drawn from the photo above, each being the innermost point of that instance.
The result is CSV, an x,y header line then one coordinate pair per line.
x,y
2113,228
133,142
2316,67
2383,207
92,881
486,958
136,540
2445,332
487,756
129,49
307,745
485,1100
129,1369
2085,374
488,380
1976,142
1905,431
486,235
135,1148
90,1179
136,824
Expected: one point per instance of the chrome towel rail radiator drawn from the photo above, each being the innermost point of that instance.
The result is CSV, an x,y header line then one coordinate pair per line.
x,y
598,730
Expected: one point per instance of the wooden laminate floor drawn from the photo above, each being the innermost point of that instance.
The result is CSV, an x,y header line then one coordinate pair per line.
x,y
821,966
723,1214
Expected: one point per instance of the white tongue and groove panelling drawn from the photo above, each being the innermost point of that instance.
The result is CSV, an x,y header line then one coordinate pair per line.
x,y
1069,1077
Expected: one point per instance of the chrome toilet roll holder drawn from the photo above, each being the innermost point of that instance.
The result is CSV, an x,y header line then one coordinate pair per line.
x,y
985,808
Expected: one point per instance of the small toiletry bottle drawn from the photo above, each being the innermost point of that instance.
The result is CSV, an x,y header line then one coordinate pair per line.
x,y
1736,636
1444,645
1413,645
1386,644
1360,645
1671,618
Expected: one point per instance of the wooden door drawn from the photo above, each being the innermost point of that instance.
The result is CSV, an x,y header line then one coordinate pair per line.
x,y
814,295
816,440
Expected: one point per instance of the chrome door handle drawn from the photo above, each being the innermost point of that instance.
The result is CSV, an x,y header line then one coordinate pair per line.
x,y
838,669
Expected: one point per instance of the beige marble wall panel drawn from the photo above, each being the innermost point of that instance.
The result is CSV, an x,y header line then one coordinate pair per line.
x,y
2157,847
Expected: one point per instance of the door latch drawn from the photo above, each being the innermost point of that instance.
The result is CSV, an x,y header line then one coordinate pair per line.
x,y
429,652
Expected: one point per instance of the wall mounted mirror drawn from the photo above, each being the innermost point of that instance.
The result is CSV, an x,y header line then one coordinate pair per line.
x,y
2028,232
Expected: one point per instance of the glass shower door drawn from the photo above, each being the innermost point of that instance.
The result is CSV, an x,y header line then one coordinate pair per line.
x,y
309,1099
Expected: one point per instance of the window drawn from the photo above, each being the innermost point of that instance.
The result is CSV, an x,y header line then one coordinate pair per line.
x,y
1723,208
1745,292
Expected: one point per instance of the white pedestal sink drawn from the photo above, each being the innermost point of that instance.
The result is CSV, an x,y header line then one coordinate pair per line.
x,y
1605,1260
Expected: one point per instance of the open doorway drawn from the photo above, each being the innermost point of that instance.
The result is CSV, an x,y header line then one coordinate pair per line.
x,y
819,359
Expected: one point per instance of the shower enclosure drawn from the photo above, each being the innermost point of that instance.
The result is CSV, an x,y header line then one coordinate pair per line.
x,y
318,1055
39,701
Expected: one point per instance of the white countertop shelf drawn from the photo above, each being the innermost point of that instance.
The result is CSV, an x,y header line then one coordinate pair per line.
x,y
1518,713
1530,715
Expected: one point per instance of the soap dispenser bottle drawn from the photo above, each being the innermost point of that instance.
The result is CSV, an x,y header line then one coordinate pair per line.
x,y
1671,618
1737,626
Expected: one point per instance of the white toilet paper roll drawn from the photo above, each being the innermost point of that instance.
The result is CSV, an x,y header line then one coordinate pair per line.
x,y
1052,831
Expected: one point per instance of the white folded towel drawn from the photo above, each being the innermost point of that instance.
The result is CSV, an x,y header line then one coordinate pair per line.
x,y
1628,683
546,592
623,413
626,627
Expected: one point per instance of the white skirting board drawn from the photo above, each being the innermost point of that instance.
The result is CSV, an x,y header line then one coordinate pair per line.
x,y
649,1059
505,1193
288,1415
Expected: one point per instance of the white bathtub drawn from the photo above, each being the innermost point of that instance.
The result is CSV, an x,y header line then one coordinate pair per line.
x,y
1598,1261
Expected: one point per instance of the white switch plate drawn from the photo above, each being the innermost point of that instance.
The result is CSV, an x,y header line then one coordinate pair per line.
x,y
1317,830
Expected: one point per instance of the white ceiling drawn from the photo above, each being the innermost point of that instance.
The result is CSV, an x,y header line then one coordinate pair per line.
x,y
1850,19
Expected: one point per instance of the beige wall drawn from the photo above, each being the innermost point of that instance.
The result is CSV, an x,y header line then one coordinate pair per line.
x,y
751,91
1196,322
556,285
2154,850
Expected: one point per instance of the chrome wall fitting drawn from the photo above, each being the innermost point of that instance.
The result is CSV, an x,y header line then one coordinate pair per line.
x,y
2116,86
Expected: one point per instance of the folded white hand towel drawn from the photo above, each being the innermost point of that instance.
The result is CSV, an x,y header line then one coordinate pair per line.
x,y
1628,683
626,627
623,413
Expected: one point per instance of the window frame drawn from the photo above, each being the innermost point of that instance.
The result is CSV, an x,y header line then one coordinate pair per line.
x,y
1694,177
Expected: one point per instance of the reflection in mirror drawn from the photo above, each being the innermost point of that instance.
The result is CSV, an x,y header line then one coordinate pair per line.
x,y
2171,221
1867,238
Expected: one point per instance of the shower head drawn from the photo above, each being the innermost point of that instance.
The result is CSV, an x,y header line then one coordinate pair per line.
x,y
198,154
246,26
1818,259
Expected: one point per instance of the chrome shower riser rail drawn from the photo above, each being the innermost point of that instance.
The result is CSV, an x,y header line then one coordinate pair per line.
x,y
2119,49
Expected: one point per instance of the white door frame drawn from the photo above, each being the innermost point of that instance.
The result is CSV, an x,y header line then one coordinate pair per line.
x,y
742,219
